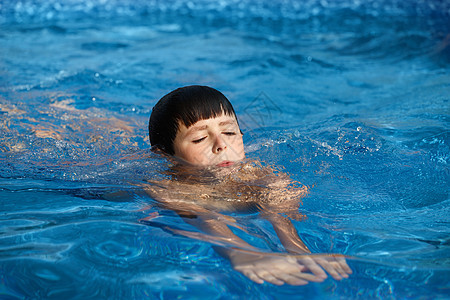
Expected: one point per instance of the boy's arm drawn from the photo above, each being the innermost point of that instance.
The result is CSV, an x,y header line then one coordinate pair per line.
x,y
336,266
284,199
245,258
287,233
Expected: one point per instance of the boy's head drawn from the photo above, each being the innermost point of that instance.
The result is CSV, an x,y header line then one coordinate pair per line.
x,y
197,124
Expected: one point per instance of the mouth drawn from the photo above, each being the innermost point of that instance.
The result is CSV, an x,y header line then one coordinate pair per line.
x,y
225,163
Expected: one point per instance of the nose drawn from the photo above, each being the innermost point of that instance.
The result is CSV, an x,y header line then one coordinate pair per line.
x,y
219,144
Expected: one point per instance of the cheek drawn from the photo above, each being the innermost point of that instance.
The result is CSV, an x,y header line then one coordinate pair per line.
x,y
238,146
195,154
183,151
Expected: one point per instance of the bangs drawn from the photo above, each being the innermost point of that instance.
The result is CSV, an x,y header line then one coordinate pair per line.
x,y
202,106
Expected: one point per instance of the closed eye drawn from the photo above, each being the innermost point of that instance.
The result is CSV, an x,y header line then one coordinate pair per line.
x,y
229,133
199,140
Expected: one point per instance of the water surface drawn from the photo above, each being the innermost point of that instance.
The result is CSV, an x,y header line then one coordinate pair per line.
x,y
349,97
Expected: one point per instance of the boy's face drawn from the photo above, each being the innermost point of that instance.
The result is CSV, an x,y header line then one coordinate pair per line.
x,y
211,142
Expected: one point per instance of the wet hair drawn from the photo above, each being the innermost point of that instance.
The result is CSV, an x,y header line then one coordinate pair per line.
x,y
187,105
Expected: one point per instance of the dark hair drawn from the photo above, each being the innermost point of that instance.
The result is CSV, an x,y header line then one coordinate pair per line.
x,y
188,105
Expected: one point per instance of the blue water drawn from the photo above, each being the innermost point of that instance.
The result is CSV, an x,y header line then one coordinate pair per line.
x,y
351,98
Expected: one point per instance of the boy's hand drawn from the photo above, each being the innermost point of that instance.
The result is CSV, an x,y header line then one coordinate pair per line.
x,y
273,269
335,265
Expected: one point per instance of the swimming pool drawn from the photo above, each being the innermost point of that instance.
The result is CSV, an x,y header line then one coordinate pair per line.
x,y
351,98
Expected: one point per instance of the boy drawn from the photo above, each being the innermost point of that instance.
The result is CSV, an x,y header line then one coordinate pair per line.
x,y
198,128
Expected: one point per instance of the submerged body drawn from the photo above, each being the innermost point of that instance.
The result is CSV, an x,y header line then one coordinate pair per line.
x,y
206,196
246,187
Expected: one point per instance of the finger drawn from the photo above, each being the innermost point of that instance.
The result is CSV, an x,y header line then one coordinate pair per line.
x,y
341,266
329,268
339,262
253,277
309,277
344,265
291,279
300,272
339,269
266,276
313,267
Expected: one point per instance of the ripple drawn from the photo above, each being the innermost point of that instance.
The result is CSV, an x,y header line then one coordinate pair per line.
x,y
117,251
117,246
42,251
103,46
47,275
33,279
16,226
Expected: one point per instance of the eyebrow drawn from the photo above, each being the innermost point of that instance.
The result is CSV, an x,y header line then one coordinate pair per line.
x,y
204,127
197,128
227,122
